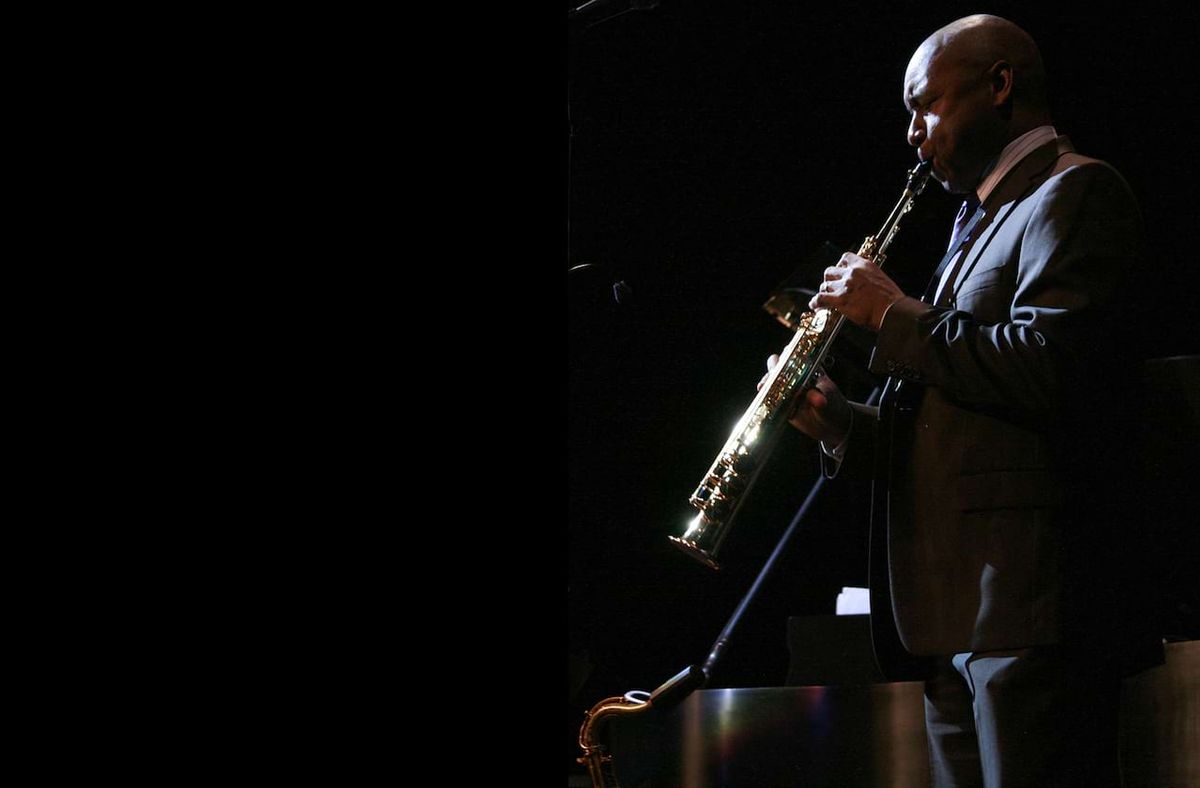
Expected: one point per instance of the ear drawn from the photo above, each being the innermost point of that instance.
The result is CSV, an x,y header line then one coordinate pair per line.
x,y
1000,78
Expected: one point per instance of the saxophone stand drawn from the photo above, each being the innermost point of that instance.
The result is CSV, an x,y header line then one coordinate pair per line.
x,y
676,689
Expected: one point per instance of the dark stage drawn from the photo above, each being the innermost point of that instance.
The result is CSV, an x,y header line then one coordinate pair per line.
x,y
712,150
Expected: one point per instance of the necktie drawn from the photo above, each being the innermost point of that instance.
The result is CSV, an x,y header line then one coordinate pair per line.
x,y
954,256
964,215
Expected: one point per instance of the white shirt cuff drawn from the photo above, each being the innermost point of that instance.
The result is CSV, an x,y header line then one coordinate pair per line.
x,y
839,451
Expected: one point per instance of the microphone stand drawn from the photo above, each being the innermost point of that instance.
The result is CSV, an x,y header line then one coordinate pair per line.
x,y
676,689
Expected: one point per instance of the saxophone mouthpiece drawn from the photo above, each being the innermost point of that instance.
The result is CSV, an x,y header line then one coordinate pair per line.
x,y
918,176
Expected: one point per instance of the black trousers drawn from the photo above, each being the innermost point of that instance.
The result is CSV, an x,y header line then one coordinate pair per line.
x,y
1042,717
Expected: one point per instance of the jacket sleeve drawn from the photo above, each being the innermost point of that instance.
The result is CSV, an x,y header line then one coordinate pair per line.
x,y
1080,243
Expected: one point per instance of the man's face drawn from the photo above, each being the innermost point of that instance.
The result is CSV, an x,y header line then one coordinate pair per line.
x,y
952,121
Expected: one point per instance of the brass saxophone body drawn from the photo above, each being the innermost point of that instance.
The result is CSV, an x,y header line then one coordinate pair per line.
x,y
670,693
596,756
729,480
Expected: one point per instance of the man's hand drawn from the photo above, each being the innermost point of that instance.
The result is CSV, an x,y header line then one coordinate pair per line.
x,y
820,412
858,289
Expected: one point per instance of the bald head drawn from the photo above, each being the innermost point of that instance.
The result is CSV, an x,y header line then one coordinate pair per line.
x,y
979,41
971,88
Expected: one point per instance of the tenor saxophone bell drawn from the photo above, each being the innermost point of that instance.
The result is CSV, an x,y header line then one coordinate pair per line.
x,y
727,485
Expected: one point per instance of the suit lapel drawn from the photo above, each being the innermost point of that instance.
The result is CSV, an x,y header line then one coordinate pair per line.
x,y
1029,173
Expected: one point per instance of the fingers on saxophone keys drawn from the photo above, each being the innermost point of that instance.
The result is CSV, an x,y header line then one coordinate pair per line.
x,y
772,360
823,298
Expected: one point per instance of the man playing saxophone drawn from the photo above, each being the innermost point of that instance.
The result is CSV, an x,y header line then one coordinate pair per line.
x,y
996,573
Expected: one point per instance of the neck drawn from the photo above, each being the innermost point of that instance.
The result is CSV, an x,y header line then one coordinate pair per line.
x,y
1026,120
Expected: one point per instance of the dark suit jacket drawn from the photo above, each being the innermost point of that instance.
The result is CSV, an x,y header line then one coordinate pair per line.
x,y
996,514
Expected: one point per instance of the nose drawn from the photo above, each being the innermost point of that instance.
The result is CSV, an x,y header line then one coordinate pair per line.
x,y
916,130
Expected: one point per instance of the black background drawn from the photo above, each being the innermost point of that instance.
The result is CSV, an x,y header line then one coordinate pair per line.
x,y
711,149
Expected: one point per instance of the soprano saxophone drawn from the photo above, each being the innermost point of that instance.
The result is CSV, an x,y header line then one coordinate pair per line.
x,y
729,481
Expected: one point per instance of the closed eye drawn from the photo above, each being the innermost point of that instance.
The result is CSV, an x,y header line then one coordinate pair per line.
x,y
923,103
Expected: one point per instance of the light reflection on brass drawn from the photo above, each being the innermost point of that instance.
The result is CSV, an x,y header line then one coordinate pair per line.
x,y
730,478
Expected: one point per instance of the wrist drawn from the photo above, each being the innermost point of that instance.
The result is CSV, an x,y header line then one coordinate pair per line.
x,y
883,315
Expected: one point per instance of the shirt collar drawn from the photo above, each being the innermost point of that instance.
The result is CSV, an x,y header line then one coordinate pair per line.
x,y
1011,156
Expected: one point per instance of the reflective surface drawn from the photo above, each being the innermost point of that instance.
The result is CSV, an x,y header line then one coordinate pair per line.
x,y
869,735
874,735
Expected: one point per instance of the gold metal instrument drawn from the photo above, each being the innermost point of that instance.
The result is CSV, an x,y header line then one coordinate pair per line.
x,y
596,755
730,478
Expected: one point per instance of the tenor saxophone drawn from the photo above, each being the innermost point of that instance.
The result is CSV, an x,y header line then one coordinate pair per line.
x,y
729,480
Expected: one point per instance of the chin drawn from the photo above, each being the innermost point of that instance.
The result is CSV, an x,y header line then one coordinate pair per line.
x,y
936,173
953,185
